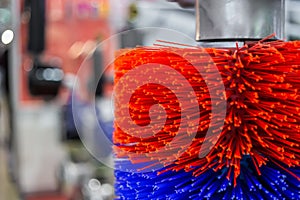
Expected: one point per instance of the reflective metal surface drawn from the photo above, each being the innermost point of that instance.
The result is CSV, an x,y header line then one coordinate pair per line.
x,y
239,19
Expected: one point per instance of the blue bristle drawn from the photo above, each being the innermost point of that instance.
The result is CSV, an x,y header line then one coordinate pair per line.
x,y
274,183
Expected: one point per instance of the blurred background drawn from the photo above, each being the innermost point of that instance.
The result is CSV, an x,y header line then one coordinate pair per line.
x,y
55,59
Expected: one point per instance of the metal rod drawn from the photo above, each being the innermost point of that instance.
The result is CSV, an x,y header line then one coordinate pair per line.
x,y
239,19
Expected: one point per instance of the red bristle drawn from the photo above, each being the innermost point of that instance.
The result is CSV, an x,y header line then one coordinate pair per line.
x,y
261,87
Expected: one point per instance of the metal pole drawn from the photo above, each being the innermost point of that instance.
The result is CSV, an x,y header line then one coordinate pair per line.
x,y
14,79
239,19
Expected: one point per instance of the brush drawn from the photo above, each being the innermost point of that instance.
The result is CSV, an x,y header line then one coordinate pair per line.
x,y
256,154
